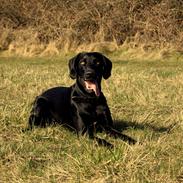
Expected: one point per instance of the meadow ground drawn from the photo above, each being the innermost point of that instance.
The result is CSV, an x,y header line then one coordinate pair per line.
x,y
146,101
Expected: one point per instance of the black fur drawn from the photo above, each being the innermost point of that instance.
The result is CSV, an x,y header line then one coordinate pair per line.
x,y
76,106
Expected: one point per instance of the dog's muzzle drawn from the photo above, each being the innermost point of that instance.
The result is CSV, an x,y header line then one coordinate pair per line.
x,y
91,84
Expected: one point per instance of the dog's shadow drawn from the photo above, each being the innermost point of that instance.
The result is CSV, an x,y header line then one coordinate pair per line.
x,y
122,125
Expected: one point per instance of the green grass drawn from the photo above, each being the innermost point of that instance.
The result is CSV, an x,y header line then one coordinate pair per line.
x,y
146,101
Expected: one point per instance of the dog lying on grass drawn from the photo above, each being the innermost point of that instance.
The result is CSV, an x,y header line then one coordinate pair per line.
x,y
82,106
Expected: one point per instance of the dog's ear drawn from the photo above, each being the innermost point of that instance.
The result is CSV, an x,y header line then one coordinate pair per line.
x,y
107,64
73,65
107,67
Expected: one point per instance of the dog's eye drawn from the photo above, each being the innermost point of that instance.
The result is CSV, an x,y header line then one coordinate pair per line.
x,y
97,62
82,62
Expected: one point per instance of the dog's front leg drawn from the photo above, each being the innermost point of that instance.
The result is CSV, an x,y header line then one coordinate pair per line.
x,y
100,141
106,122
89,128
116,134
104,118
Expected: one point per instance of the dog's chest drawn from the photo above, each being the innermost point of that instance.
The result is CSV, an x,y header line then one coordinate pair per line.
x,y
89,106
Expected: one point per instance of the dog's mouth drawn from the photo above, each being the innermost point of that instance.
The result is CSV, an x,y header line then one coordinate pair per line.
x,y
92,86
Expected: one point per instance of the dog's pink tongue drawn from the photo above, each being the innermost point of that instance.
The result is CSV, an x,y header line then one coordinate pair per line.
x,y
93,86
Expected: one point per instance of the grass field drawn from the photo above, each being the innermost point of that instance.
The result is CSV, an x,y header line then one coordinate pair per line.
x,y
146,101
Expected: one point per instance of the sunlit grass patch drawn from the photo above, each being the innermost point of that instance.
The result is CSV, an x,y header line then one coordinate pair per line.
x,y
145,98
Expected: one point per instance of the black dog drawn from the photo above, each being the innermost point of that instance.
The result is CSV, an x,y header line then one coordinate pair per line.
x,y
81,106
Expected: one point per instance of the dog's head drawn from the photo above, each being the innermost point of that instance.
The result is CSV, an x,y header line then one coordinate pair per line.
x,y
89,68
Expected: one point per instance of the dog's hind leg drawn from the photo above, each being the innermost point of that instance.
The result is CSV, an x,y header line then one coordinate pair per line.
x,y
35,120
40,113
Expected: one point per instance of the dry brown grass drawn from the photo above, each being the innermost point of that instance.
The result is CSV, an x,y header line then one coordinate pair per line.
x,y
28,25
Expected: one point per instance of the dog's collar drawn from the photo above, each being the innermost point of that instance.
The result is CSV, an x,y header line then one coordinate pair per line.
x,y
84,99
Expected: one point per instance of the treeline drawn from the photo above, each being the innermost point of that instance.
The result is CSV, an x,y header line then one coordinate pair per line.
x,y
77,22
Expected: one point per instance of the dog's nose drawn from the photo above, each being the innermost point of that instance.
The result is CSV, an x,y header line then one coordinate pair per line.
x,y
89,75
